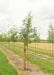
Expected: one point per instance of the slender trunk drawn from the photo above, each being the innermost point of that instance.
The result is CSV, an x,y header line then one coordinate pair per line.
x,y
52,49
35,47
9,45
49,46
52,44
14,46
24,66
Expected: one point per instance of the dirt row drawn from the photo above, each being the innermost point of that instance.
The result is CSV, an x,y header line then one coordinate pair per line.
x,y
41,50
48,51
17,62
37,54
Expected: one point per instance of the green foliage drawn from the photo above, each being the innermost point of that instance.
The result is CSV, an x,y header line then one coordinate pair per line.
x,y
26,30
51,33
12,34
44,41
1,35
36,36
26,33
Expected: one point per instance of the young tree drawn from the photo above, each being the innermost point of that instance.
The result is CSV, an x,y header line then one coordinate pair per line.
x,y
12,35
5,38
51,35
36,37
0,37
25,34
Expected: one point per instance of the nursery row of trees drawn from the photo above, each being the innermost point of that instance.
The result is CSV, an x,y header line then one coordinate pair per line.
x,y
13,35
26,31
26,34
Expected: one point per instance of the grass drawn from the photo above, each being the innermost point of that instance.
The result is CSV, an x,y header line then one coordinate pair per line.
x,y
44,65
40,52
5,67
29,46
21,46
36,47
40,49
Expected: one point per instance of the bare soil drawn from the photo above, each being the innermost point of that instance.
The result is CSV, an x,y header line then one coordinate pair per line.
x,y
48,51
47,46
39,55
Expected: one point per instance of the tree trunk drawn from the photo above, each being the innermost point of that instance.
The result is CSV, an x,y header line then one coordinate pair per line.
x,y
35,47
52,49
9,45
24,66
14,46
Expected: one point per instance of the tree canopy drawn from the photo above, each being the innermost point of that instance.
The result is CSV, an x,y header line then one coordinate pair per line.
x,y
36,36
26,30
51,33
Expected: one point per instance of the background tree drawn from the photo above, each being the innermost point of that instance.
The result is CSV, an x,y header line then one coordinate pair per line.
x,y
51,35
36,37
5,38
13,35
1,37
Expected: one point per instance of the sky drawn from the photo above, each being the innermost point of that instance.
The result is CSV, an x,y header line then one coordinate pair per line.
x,y
12,12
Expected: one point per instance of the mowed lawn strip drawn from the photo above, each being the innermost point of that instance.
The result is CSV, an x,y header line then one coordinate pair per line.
x,y
28,46
40,52
5,67
34,47
44,65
